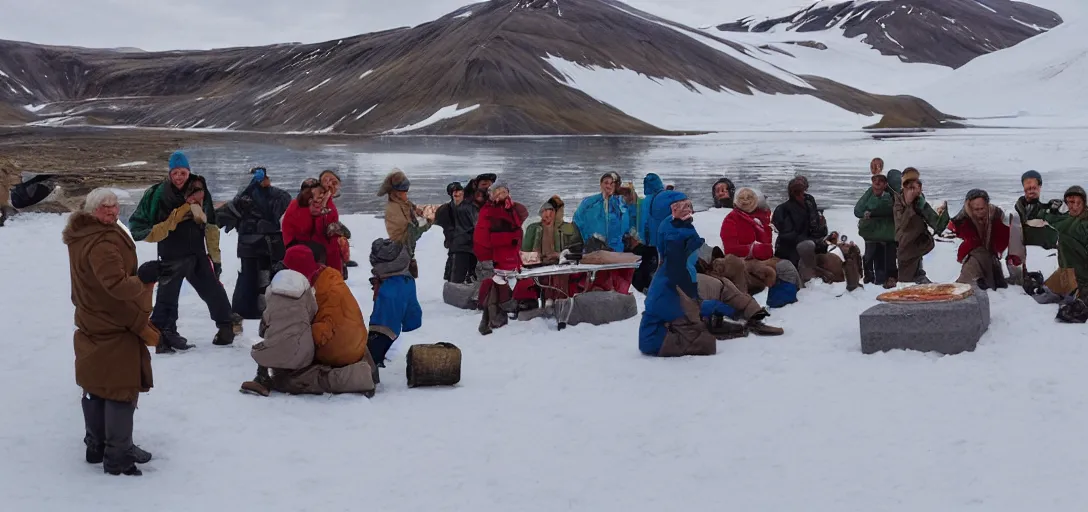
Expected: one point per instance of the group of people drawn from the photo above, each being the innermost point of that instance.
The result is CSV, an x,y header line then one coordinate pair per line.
x,y
295,257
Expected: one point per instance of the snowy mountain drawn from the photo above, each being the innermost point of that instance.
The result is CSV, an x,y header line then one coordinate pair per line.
x,y
508,67
946,32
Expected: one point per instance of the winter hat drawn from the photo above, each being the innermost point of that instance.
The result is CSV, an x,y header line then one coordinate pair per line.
x,y
1076,190
910,174
487,176
746,200
395,180
259,173
301,259
1032,174
554,203
976,193
178,160
453,187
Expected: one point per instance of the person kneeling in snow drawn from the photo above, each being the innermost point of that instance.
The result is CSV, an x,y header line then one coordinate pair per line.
x,y
985,236
672,324
335,328
396,307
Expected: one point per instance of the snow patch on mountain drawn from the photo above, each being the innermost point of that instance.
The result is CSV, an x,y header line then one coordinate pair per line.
x,y
447,112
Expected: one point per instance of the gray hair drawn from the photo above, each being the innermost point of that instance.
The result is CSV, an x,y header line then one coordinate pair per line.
x,y
96,197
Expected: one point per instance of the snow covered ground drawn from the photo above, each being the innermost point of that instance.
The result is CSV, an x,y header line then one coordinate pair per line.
x,y
546,421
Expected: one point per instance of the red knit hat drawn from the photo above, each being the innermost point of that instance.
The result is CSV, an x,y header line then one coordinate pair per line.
x,y
301,259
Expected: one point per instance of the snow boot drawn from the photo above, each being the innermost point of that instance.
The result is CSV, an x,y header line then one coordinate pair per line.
x,y
485,322
236,323
725,329
806,263
225,336
95,454
130,471
171,342
351,263
756,326
260,385
890,283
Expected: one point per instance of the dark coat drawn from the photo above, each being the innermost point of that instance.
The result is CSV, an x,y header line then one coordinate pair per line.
x,y
445,218
255,212
113,309
796,223
184,239
465,216
1046,236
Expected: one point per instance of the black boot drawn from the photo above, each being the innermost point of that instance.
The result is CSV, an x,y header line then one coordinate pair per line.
x,y
172,341
225,336
725,329
94,420
130,471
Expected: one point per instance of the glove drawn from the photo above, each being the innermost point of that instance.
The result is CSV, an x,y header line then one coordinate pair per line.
x,y
149,272
198,213
1055,206
218,269
160,231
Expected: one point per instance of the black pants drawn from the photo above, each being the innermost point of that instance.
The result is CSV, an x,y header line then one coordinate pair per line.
x,y
199,272
109,426
879,262
462,265
379,344
646,268
253,280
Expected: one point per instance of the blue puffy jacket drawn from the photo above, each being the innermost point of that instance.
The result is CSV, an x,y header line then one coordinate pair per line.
x,y
591,220
658,209
678,243
651,187
396,308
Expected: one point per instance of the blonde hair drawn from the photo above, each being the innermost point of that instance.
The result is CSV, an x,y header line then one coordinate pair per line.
x,y
97,197
747,200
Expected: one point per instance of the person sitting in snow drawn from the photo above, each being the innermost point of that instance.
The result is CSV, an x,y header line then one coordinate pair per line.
x,y
748,309
341,362
603,216
179,216
723,193
674,321
746,234
1030,207
396,307
913,219
876,225
497,241
985,236
1072,228
803,235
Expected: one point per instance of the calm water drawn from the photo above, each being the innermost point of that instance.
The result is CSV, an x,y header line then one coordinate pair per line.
x,y
536,168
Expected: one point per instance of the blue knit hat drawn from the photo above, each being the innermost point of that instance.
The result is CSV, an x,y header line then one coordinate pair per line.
x,y
1032,174
178,161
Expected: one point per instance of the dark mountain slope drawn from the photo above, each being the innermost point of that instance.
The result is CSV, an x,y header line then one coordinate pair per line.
x,y
946,32
491,55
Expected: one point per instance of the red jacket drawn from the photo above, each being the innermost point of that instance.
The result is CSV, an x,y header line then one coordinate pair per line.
x,y
299,225
966,231
498,234
748,235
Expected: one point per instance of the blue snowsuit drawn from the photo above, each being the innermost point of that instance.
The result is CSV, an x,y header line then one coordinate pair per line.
x,y
591,220
678,244
396,309
651,187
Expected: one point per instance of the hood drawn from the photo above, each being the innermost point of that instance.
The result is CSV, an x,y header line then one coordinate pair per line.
x,y
725,203
389,258
662,204
81,225
652,184
289,283
895,180
557,204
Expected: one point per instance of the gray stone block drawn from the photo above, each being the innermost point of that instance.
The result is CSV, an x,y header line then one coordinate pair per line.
x,y
943,327
462,296
597,308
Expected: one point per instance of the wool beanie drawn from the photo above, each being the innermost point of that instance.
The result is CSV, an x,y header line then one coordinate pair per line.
x,y
746,200
301,259
178,160
1032,174
1076,190
911,174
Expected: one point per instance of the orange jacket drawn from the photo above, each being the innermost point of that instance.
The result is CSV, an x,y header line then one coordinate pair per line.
x,y
338,329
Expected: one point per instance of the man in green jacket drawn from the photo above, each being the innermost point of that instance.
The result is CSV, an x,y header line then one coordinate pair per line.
x,y
545,240
876,225
1030,208
179,216
1072,229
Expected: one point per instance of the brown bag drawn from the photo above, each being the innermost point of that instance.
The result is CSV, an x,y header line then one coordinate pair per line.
x,y
688,335
1063,281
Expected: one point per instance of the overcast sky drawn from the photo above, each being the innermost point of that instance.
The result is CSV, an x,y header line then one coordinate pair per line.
x,y
200,24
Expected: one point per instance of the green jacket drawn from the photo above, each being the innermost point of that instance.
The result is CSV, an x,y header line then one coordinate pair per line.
x,y
174,239
534,235
1045,237
1072,243
880,226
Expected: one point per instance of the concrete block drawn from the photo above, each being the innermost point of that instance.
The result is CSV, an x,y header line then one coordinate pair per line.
x,y
597,308
462,296
943,327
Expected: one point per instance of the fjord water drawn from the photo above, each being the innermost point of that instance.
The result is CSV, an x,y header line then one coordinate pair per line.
x,y
951,162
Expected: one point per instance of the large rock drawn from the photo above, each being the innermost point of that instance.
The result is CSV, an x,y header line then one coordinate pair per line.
x,y
943,327
461,295
597,308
